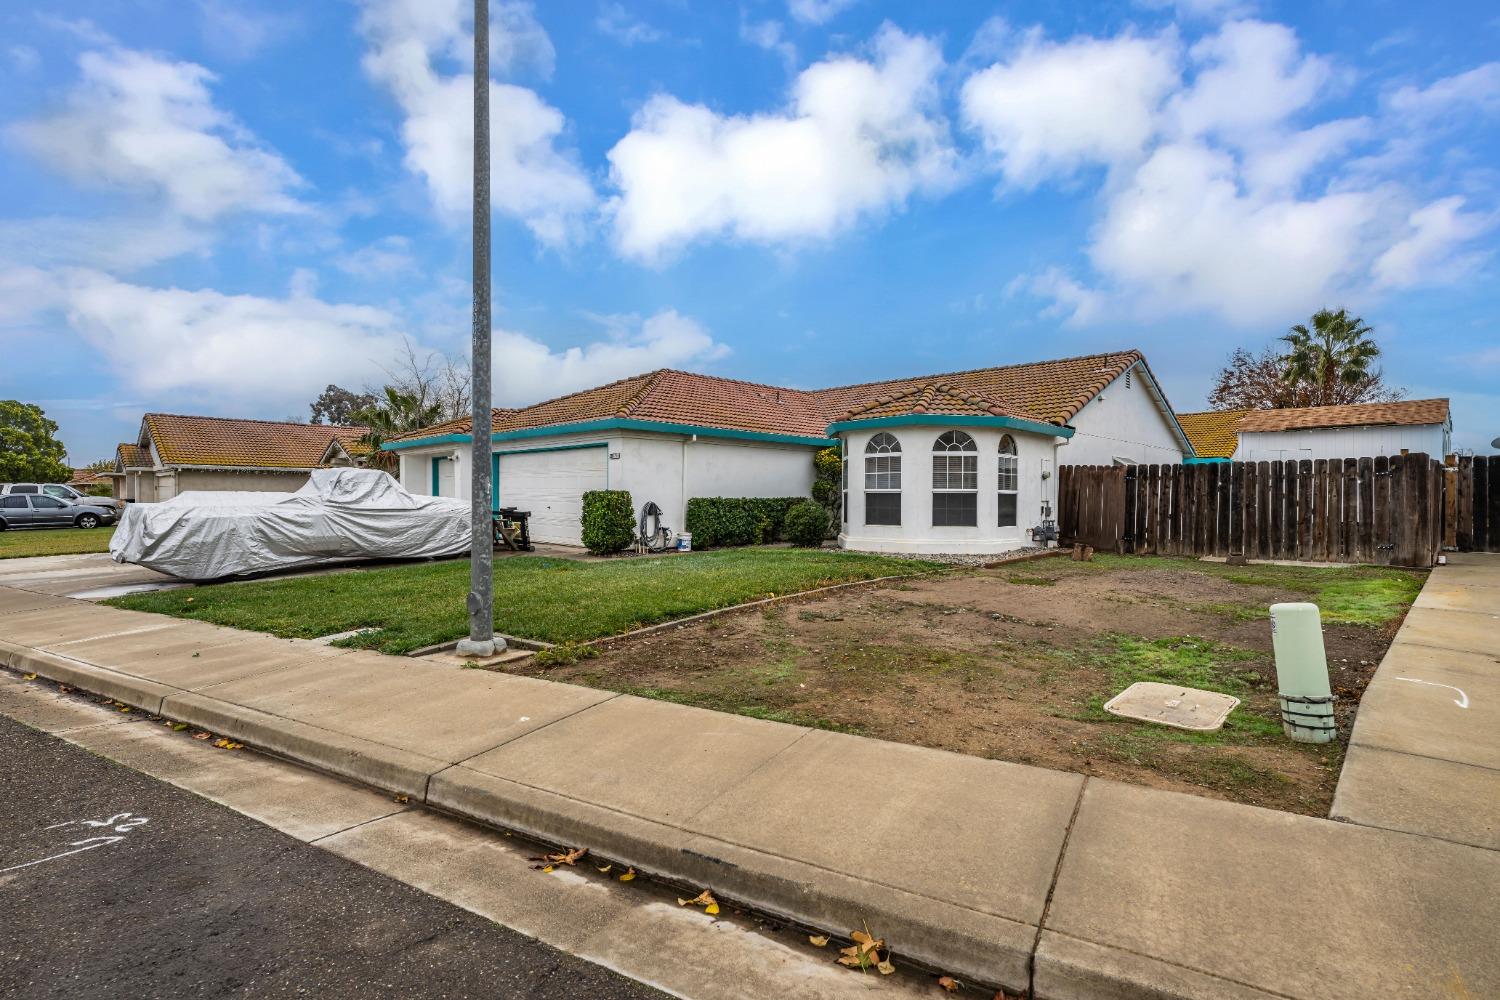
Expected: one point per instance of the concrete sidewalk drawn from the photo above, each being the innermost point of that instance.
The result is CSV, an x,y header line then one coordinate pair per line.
x,y
998,873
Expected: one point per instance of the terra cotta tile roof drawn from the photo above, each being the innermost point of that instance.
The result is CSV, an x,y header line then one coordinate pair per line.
x,y
1212,432
1408,412
231,442
1045,391
129,455
937,398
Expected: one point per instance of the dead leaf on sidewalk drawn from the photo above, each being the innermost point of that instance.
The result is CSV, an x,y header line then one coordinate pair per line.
x,y
948,983
704,899
402,799
226,744
603,869
818,940
64,689
178,727
629,874
864,954
203,736
548,862
28,677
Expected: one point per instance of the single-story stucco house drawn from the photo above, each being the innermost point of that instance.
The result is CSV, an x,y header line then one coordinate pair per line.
x,y
1359,430
960,462
174,453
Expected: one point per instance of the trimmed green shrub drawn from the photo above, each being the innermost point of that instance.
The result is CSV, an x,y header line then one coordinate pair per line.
x,y
608,521
720,521
807,524
828,484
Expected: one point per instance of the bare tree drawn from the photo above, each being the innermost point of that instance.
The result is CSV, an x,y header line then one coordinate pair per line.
x,y
434,382
1260,382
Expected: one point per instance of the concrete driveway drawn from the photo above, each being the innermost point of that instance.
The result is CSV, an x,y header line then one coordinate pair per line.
x,y
92,576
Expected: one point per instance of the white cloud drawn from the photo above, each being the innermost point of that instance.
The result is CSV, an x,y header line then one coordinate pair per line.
x,y
1252,76
1430,252
1201,10
143,123
769,36
1182,236
859,137
239,31
24,58
387,257
1479,88
245,352
422,53
817,11
527,370
119,245
618,23
1054,107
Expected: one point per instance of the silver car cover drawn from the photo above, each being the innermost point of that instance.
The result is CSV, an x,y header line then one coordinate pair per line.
x,y
340,514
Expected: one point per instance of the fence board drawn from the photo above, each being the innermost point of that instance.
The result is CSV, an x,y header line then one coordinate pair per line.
x,y
1481,501
1364,549
1221,529
1305,512
1492,514
1381,530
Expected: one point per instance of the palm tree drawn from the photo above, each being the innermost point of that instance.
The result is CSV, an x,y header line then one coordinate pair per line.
x,y
1334,359
398,413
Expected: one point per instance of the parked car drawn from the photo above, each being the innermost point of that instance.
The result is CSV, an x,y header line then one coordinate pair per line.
x,y
61,491
37,510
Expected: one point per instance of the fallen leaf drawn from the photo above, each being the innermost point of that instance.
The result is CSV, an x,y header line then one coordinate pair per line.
x,y
403,799
548,862
604,869
818,941
225,744
629,874
64,688
704,899
203,736
886,968
124,708
28,677
178,727
948,983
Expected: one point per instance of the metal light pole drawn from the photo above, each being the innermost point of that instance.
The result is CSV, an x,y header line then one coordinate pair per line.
x,y
481,601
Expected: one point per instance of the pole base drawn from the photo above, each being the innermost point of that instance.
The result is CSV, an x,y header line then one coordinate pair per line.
x,y
479,647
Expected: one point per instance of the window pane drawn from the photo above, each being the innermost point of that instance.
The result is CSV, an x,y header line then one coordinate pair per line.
x,y
49,502
882,508
1007,482
1007,510
955,510
13,503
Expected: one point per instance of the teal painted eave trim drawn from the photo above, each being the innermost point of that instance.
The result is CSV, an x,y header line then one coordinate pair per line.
x,y
951,420
1203,461
619,424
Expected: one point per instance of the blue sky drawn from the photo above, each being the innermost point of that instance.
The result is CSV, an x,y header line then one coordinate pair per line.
x,y
220,207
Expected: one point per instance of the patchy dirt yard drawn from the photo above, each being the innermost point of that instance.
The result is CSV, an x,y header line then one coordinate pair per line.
x,y
1015,663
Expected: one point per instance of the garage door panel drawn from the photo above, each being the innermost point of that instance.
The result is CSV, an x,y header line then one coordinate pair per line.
x,y
551,485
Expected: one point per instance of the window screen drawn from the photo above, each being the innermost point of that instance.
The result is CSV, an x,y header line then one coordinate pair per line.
x,y
955,481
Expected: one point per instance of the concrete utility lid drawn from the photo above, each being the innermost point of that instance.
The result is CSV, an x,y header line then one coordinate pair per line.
x,y
1171,705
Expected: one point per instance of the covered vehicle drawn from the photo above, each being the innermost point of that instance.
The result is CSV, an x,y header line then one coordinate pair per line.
x,y
340,514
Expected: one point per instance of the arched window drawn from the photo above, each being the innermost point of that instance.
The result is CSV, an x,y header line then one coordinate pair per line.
x,y
955,481
1008,479
883,480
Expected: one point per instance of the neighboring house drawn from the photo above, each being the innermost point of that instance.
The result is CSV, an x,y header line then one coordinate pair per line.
x,y
1214,433
668,436
1358,431
84,480
174,453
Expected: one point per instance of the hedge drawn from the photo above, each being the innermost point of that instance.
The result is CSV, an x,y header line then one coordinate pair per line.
x,y
608,521
717,521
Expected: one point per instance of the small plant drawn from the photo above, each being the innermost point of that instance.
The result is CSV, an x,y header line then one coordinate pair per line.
x,y
564,655
807,524
608,521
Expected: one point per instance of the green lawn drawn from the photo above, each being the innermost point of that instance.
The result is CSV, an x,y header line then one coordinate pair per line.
x,y
555,600
18,542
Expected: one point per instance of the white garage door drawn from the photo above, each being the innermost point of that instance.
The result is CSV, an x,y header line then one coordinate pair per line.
x,y
551,485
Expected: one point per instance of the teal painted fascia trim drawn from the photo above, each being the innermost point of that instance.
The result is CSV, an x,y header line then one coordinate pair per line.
x,y
619,424
555,447
435,462
1203,461
951,420
494,480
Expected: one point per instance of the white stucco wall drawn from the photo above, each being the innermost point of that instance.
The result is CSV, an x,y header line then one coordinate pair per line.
x,y
667,469
1122,422
1342,442
1036,454
205,479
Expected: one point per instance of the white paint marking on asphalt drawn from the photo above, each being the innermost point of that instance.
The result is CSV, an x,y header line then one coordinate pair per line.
x,y
120,823
1462,701
115,635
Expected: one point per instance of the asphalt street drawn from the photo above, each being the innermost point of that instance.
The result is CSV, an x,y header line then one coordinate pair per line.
x,y
113,884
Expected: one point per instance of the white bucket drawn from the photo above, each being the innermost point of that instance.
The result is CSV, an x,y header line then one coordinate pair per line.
x,y
684,541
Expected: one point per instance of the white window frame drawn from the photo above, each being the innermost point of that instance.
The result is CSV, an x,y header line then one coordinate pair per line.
x,y
882,471
1008,478
959,447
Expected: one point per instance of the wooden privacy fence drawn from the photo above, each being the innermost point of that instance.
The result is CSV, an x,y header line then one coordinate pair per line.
x,y
1387,511
1471,503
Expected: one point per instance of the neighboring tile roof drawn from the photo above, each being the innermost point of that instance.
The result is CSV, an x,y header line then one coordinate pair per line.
x,y
1046,392
129,455
1410,412
225,441
939,398
1212,432
87,477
